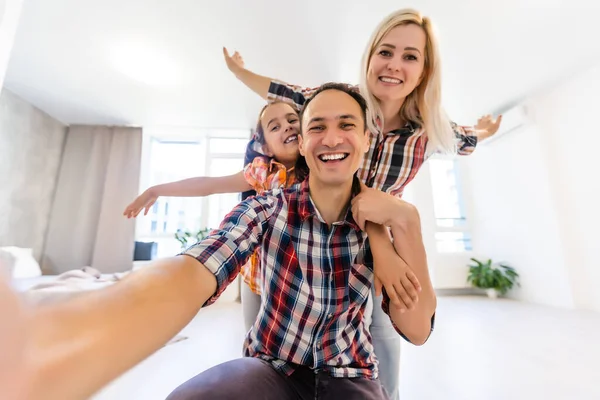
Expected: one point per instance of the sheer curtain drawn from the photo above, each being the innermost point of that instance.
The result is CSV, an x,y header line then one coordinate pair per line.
x,y
99,176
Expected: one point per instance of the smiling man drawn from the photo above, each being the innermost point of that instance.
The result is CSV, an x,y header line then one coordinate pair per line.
x,y
309,335
309,339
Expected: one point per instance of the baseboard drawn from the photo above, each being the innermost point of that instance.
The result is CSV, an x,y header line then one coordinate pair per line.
x,y
459,292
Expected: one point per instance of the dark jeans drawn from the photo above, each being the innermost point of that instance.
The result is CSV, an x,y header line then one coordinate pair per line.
x,y
253,379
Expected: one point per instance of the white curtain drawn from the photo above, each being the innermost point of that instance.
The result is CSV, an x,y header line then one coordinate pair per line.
x,y
99,176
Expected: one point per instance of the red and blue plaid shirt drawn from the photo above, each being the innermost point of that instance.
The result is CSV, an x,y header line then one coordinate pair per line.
x,y
315,282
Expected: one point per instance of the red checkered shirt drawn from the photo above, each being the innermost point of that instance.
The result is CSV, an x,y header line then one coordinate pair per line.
x,y
315,282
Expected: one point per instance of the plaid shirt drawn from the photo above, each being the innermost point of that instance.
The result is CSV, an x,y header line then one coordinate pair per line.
x,y
316,281
263,175
395,157
267,174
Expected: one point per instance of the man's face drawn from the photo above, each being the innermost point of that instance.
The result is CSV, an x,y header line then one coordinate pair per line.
x,y
334,138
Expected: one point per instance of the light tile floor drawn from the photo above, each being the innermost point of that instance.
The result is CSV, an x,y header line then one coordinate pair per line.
x,y
481,349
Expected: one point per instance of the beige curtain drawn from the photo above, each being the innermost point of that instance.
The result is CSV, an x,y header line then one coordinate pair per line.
x,y
99,176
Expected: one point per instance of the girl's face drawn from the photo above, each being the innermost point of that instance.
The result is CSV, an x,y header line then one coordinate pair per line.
x,y
281,128
397,63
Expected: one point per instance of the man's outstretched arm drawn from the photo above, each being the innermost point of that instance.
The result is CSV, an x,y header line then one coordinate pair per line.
x,y
76,347
71,349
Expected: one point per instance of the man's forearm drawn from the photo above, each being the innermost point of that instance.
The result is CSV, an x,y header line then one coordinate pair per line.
x,y
78,346
415,323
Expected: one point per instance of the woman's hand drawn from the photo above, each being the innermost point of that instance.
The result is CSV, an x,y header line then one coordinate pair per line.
x,y
381,208
487,126
235,63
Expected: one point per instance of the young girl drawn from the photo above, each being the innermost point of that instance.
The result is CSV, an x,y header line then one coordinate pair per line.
x,y
276,137
401,81
278,144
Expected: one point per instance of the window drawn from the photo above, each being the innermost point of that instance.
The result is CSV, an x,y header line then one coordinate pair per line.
x,y
167,158
451,223
228,146
171,161
446,200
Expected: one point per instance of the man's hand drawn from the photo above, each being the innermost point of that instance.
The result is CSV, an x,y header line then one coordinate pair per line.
x,y
15,370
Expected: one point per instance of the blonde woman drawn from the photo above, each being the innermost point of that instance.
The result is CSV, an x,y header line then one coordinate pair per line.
x,y
401,81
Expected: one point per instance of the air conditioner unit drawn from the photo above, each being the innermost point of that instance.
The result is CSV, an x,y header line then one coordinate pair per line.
x,y
513,120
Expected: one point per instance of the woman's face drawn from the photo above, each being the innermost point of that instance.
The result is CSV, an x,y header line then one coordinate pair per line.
x,y
281,127
397,63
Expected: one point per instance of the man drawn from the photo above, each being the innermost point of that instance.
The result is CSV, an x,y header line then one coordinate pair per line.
x,y
309,338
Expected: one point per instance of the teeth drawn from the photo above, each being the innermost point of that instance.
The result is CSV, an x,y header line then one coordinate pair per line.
x,y
329,157
292,138
390,80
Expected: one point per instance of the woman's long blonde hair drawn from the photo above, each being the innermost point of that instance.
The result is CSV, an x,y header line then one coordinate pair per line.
x,y
423,105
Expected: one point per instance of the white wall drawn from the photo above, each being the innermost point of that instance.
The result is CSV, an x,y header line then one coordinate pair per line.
x,y
513,215
10,11
568,115
31,146
535,195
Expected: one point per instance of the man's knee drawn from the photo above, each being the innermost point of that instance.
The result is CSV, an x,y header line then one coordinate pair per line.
x,y
196,389
240,378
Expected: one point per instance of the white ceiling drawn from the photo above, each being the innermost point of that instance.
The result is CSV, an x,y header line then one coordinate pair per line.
x,y
66,53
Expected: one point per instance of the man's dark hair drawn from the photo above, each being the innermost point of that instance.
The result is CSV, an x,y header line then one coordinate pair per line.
x,y
350,90
301,166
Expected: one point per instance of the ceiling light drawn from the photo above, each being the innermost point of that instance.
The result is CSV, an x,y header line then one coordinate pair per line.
x,y
144,64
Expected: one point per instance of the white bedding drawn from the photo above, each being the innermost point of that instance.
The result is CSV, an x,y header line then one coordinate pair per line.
x,y
52,287
47,288
22,284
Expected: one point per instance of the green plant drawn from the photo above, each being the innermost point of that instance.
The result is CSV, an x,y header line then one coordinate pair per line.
x,y
488,275
185,237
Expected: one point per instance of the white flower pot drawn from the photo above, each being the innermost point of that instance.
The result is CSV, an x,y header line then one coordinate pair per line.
x,y
491,293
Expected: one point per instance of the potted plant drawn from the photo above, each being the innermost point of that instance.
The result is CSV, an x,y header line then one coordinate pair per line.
x,y
495,278
187,238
